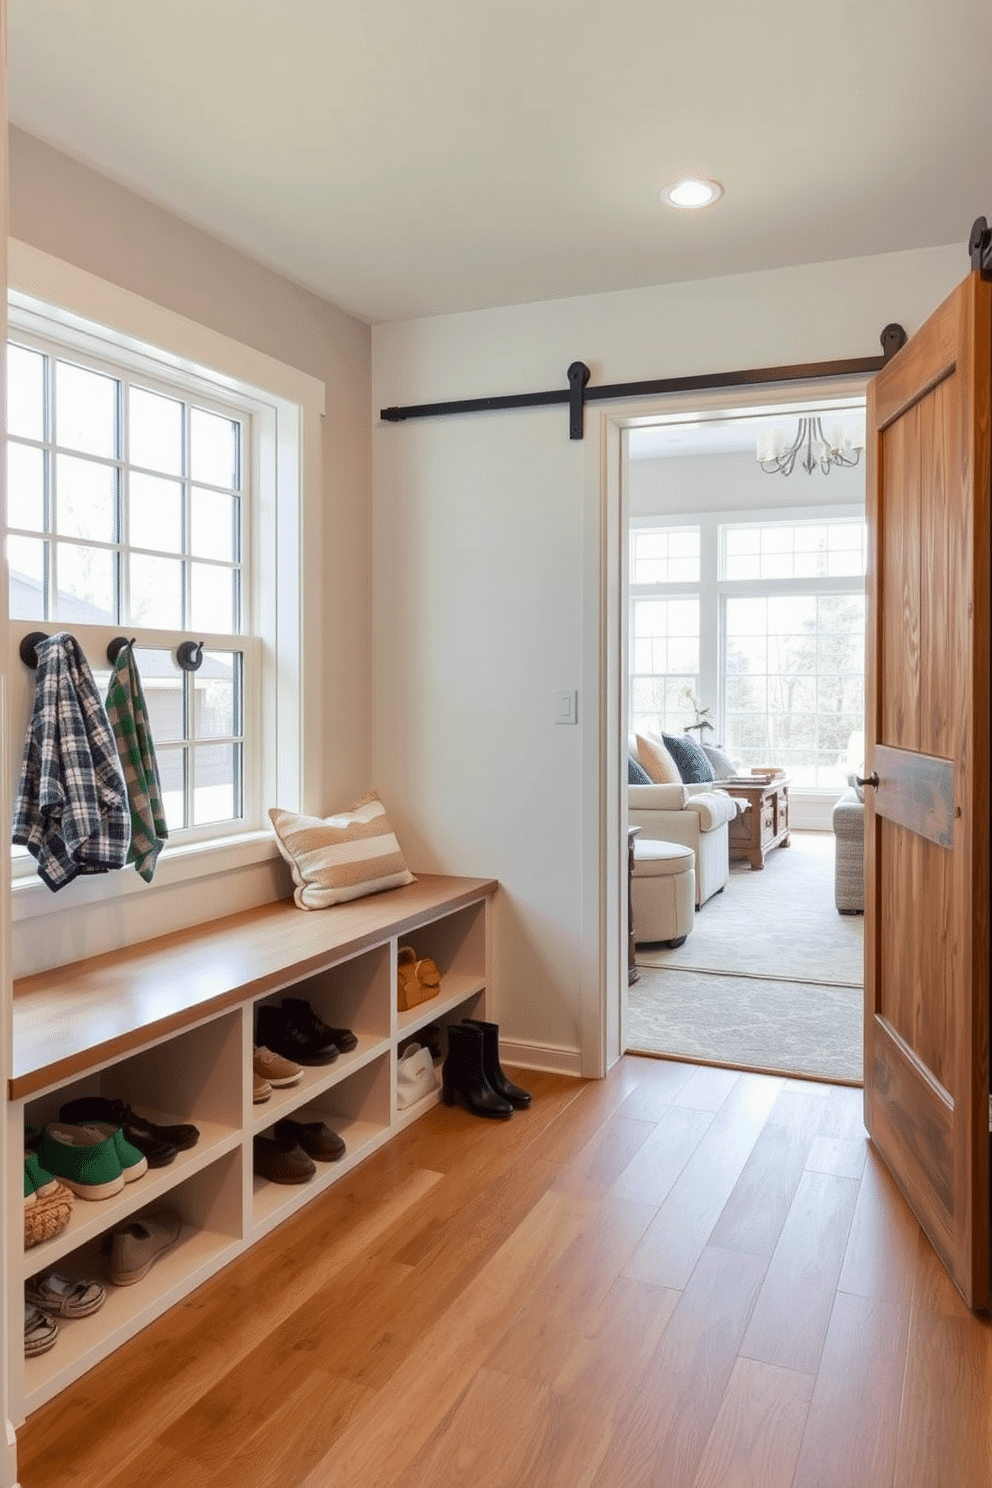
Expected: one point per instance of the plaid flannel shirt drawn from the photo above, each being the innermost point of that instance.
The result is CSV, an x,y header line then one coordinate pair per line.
x,y
71,813
128,715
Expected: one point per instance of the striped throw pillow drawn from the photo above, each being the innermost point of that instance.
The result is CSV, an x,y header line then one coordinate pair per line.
x,y
340,857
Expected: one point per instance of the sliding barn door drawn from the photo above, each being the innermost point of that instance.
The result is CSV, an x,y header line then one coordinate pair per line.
x,y
927,818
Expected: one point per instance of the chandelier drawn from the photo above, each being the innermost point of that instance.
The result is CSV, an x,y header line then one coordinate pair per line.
x,y
811,447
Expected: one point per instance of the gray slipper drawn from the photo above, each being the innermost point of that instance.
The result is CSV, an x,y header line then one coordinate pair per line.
x,y
139,1243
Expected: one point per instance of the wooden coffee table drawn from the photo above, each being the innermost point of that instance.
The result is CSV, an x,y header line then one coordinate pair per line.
x,y
765,824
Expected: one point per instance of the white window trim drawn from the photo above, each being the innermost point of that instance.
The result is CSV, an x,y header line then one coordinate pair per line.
x,y
712,590
62,301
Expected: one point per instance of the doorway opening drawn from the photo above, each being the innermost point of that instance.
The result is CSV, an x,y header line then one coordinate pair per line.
x,y
742,645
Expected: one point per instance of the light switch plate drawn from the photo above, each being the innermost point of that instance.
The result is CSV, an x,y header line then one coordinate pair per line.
x,y
567,707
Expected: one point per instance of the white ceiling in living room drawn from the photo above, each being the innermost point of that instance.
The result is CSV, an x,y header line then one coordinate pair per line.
x,y
414,157
736,433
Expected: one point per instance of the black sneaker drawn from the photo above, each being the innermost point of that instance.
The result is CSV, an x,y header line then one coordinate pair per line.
x,y
304,1016
159,1144
279,1031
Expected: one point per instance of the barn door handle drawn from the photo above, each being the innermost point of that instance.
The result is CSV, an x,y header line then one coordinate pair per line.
x,y
868,780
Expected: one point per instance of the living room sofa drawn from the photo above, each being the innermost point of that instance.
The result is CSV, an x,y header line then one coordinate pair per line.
x,y
698,816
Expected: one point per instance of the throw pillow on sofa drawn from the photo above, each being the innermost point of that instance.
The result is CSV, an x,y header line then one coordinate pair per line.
x,y
341,857
636,774
693,766
656,760
723,766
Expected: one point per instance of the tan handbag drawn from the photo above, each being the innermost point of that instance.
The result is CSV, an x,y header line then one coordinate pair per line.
x,y
416,981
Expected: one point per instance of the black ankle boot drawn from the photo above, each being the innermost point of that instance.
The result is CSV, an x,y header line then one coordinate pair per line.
x,y
461,1075
491,1066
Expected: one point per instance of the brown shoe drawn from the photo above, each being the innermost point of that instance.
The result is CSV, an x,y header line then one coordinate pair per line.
x,y
274,1068
260,1090
315,1137
282,1162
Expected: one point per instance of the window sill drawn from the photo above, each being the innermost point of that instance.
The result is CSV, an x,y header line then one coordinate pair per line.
x,y
30,898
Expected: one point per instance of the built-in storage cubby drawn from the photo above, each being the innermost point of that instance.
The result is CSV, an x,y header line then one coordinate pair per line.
x,y
457,945
354,993
169,1027
356,1107
195,1076
209,1204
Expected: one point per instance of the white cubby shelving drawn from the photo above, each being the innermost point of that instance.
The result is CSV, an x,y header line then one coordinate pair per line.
x,y
169,1026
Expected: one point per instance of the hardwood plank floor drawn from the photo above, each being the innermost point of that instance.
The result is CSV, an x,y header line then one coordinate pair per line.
x,y
676,1277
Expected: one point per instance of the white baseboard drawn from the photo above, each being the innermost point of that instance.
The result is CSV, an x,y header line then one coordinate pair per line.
x,y
555,1061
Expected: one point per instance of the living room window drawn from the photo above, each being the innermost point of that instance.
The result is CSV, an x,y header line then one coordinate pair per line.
x,y
793,682
666,663
769,637
668,555
792,550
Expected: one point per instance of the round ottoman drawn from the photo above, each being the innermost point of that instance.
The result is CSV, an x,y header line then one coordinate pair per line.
x,y
662,891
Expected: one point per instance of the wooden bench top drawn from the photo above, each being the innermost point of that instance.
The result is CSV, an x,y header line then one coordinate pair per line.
x,y
77,1016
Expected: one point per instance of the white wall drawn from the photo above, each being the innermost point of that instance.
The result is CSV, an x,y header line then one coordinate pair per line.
x,y
486,547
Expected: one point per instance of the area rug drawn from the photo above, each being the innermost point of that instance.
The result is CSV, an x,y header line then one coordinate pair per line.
x,y
770,977
801,1028
778,922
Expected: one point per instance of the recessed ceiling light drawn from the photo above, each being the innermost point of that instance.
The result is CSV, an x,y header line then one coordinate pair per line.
x,y
692,193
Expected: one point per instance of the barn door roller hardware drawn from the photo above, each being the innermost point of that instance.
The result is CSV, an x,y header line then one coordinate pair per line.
x,y
980,247
579,393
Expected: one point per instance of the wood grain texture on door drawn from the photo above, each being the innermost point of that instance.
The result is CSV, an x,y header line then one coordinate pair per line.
x,y
927,740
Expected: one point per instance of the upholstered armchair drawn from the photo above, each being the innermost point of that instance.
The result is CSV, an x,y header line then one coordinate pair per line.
x,y
849,860
695,815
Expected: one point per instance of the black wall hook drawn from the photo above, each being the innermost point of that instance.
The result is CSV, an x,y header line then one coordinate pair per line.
x,y
190,656
116,646
28,649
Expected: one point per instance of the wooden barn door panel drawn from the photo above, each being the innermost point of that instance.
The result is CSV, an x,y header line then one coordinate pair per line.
x,y
927,820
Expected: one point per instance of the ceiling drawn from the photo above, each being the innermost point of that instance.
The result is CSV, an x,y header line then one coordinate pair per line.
x,y
736,433
414,157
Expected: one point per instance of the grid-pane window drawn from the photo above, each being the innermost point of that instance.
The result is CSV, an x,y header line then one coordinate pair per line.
x,y
665,556
794,682
762,650
126,507
124,503
665,654
801,550
197,722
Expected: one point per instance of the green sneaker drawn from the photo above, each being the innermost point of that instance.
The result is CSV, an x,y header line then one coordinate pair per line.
x,y
37,1183
133,1163
85,1159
